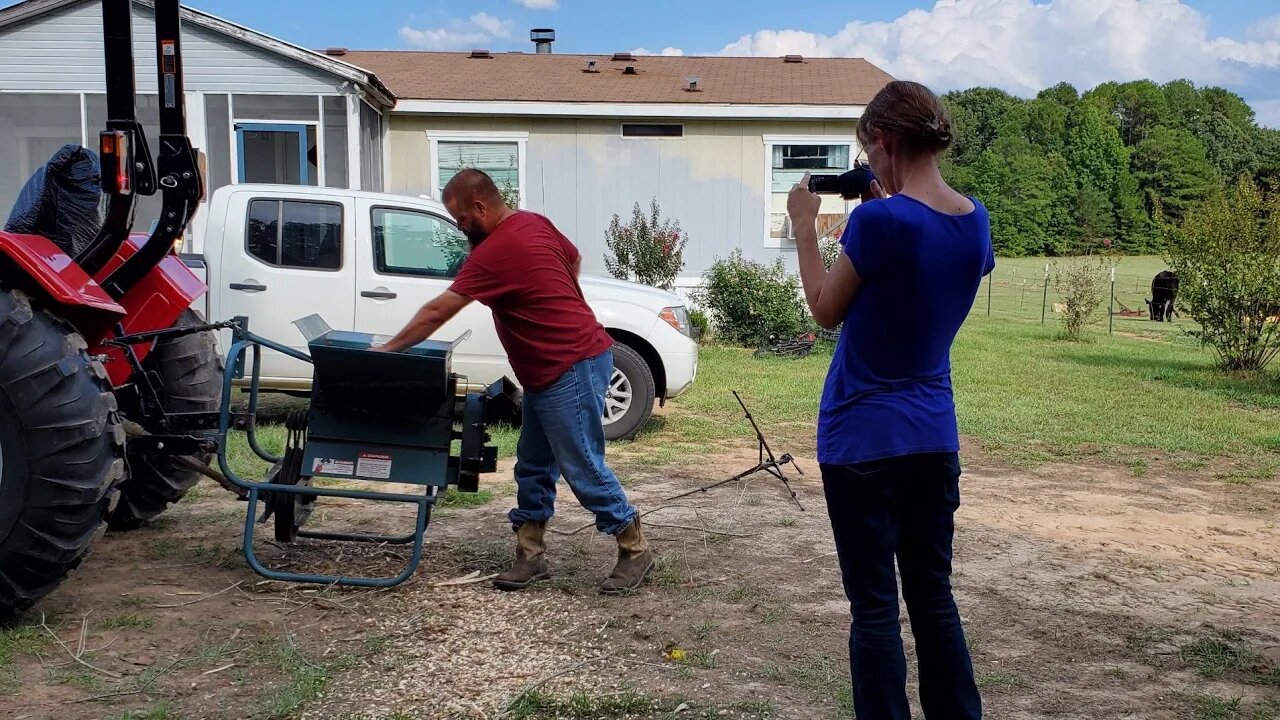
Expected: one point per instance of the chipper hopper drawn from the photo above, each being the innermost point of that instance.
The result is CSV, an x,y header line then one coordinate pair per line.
x,y
386,418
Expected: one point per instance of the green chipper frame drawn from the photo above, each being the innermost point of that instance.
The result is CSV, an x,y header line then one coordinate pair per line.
x,y
373,416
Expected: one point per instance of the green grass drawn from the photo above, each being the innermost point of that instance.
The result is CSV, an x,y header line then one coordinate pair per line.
x,y
163,711
453,498
127,620
1215,655
1027,397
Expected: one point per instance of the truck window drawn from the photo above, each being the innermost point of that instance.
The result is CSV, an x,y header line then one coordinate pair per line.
x,y
416,243
295,234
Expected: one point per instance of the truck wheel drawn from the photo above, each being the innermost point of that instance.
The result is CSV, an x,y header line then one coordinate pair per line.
x,y
190,373
61,450
629,402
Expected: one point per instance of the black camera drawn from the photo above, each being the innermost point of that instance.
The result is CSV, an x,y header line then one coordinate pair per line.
x,y
849,185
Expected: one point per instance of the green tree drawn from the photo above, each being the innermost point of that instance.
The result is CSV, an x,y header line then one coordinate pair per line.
x,y
1226,103
1064,94
1184,101
977,118
1139,107
1016,181
648,250
1268,172
1227,258
1173,170
1231,148
1135,233
1094,217
1047,124
1094,150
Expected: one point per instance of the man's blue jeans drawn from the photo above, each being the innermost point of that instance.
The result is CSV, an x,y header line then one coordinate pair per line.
x,y
562,433
901,507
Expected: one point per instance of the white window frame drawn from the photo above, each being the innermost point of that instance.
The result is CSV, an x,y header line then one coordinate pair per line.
x,y
521,139
769,142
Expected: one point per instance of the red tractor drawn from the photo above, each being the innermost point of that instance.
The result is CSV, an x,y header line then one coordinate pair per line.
x,y
97,338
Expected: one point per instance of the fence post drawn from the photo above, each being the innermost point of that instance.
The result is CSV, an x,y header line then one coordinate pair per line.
x,y
1044,304
1111,308
990,281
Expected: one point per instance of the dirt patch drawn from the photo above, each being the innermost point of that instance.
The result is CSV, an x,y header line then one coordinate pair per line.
x,y
1086,592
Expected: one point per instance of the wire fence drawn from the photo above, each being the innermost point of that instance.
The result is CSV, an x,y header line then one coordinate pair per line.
x,y
1031,293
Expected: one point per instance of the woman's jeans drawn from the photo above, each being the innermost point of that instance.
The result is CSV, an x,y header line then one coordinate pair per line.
x,y
901,507
561,432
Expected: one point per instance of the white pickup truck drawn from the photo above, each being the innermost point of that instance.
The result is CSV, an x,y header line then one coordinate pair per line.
x,y
367,261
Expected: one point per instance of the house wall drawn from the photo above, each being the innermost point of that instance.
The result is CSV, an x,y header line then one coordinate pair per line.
x,y
580,172
52,89
62,52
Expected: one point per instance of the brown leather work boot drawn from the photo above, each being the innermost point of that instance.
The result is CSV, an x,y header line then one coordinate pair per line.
x,y
635,562
531,562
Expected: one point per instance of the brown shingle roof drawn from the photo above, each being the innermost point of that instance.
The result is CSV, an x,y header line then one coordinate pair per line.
x,y
658,79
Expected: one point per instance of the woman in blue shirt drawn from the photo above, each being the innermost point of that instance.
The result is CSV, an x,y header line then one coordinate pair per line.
x,y
915,253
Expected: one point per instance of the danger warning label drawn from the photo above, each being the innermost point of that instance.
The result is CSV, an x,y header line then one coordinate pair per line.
x,y
374,465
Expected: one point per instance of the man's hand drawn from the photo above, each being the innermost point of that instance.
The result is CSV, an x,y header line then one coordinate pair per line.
x,y
428,320
803,204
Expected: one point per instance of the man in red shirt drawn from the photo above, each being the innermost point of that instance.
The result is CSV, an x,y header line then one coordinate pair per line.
x,y
526,272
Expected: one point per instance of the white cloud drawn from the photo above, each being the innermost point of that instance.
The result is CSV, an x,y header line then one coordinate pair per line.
x,y
667,51
461,34
1266,29
1024,46
538,4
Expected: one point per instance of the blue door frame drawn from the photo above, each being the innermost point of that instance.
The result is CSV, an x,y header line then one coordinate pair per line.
x,y
304,174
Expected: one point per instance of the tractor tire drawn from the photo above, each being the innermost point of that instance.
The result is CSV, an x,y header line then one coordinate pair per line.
x,y
61,451
631,394
190,372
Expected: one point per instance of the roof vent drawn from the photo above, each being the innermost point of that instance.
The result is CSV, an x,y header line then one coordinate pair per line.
x,y
692,85
336,51
542,39
591,66
629,70
481,54
793,58
624,56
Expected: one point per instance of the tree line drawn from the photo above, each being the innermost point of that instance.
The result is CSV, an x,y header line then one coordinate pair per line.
x,y
1065,172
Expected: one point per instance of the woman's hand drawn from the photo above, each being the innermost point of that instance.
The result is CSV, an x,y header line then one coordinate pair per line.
x,y
803,204
874,192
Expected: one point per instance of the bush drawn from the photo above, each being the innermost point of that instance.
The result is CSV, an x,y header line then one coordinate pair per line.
x,y
829,248
646,250
1082,281
701,324
750,301
1226,255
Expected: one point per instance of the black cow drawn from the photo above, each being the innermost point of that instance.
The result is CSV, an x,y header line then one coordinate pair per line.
x,y
1164,291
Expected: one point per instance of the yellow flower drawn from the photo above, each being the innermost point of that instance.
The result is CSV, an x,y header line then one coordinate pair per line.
x,y
674,655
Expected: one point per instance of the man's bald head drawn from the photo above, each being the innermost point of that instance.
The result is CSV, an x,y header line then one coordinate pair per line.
x,y
471,184
475,203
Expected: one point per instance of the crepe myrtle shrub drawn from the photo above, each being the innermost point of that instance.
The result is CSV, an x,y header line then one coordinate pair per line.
x,y
1226,254
647,250
749,301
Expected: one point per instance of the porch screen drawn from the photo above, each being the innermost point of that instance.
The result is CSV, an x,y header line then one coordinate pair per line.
x,y
498,159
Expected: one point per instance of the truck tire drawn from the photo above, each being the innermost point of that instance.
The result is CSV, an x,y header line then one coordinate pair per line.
x,y
190,372
629,402
61,451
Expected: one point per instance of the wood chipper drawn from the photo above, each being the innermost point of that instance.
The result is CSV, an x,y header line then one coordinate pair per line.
x,y
113,398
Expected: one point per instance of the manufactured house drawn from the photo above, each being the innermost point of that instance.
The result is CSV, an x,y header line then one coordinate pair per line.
x,y
717,141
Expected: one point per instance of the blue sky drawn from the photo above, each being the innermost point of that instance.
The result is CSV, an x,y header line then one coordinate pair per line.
x,y
1018,45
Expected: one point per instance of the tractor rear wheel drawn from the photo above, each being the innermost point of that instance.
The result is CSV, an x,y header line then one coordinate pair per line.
x,y
190,373
61,450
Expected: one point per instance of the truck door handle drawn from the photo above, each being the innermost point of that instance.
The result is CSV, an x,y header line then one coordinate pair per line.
x,y
378,295
248,286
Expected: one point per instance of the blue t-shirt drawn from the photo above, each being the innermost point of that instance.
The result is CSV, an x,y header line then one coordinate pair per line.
x,y
888,391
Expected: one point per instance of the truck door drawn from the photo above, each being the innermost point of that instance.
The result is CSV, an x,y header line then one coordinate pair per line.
x,y
406,257
291,258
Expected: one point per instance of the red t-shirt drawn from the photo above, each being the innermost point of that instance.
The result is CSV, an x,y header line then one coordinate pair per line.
x,y
524,273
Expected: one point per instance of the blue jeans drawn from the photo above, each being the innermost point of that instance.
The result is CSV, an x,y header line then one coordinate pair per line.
x,y
562,432
901,507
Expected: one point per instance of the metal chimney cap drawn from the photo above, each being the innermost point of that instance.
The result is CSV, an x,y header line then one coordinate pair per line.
x,y
537,34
